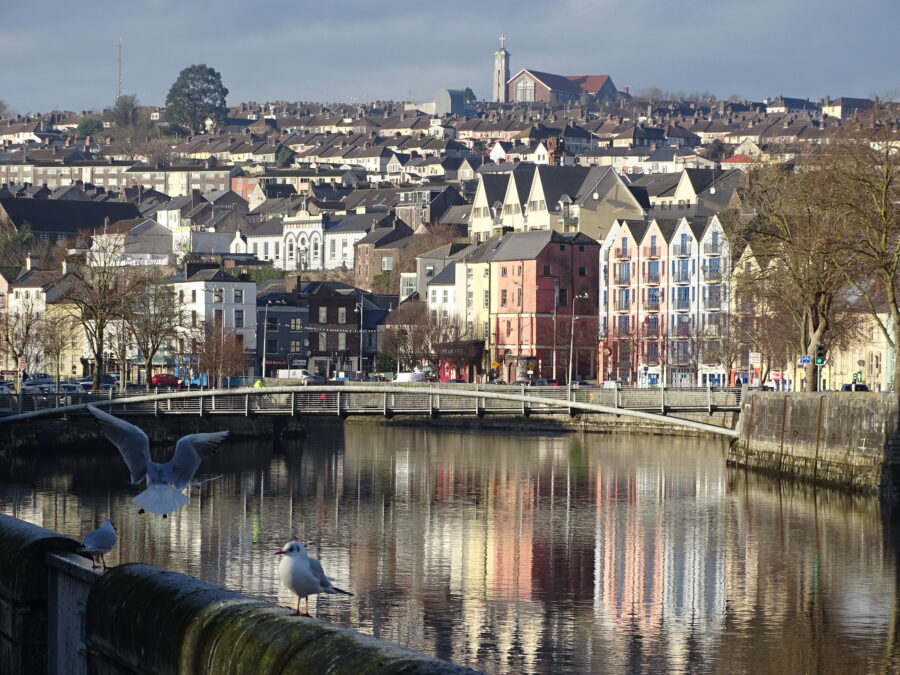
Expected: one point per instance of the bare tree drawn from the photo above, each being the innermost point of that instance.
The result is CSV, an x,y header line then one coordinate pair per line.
x,y
452,342
863,172
56,335
406,334
219,352
795,239
96,289
19,328
154,315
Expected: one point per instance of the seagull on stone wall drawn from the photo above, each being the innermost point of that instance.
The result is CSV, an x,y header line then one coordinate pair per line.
x,y
303,576
99,542
166,481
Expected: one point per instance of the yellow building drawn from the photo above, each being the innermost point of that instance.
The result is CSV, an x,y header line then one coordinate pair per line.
x,y
868,359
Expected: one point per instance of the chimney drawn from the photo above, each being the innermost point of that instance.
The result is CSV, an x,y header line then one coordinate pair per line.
x,y
65,267
31,262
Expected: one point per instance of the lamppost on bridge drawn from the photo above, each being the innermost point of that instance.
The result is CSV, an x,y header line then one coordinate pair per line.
x,y
359,309
580,296
265,338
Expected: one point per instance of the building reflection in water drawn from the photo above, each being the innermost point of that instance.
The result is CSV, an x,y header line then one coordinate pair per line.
x,y
518,553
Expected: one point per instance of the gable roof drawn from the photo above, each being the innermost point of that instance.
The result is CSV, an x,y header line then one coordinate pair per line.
x,y
64,215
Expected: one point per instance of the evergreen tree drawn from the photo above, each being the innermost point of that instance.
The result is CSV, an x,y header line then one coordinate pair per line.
x,y
197,95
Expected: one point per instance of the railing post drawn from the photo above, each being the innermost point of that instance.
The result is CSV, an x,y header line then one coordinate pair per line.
x,y
156,407
430,406
709,396
339,403
293,403
662,399
616,396
246,405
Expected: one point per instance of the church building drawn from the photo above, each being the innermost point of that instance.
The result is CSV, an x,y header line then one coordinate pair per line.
x,y
529,86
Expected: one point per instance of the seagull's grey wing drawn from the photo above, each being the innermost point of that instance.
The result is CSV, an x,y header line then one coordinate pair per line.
x,y
315,567
132,442
189,452
100,539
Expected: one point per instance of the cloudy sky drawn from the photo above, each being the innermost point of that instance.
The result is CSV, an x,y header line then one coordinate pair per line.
x,y
56,54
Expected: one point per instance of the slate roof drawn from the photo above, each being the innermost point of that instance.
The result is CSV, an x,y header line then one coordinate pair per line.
x,y
62,215
446,277
272,227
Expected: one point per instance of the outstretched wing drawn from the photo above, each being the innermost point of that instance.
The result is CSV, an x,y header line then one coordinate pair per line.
x,y
189,452
132,442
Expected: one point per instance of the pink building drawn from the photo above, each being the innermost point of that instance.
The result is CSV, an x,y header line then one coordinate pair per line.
x,y
544,305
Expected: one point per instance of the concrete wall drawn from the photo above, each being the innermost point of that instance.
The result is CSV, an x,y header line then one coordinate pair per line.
x,y
23,594
140,619
835,439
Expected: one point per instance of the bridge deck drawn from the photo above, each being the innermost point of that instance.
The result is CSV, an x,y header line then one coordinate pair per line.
x,y
388,399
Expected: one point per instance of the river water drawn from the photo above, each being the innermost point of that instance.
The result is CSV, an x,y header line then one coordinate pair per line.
x,y
518,553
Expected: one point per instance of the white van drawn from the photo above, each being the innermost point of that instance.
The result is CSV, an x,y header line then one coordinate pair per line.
x,y
410,377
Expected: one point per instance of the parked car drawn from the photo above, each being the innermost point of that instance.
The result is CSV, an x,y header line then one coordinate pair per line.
x,y
312,379
69,388
855,387
578,384
39,378
161,380
500,382
410,377
377,378
521,383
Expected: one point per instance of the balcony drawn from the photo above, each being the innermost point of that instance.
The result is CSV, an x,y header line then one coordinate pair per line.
x,y
681,304
681,277
651,306
650,332
714,303
712,274
713,249
622,279
682,251
682,330
652,278
651,251
623,252
622,306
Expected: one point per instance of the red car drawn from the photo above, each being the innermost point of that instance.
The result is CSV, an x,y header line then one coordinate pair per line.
x,y
164,380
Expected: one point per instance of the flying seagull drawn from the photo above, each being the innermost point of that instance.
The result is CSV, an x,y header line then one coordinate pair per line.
x,y
165,482
99,542
303,576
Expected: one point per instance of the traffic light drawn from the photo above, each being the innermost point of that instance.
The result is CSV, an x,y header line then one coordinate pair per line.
x,y
820,354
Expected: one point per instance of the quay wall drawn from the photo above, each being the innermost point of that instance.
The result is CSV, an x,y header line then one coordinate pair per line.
x,y
842,440
143,620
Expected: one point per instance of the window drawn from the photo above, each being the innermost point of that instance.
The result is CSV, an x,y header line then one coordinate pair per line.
x,y
446,296
323,345
238,296
331,248
296,346
271,345
387,263
546,270
563,297
323,315
342,341
277,249
218,294
265,249
582,271
290,250
271,323
238,318
519,296
485,328
503,298
255,248
503,271
194,295
342,315
429,270
181,296
296,323
486,299
433,296
508,328
194,318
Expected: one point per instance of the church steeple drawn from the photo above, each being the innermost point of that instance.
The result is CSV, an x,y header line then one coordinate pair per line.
x,y
501,72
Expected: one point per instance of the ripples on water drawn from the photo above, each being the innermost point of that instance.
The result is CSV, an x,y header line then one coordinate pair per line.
x,y
518,553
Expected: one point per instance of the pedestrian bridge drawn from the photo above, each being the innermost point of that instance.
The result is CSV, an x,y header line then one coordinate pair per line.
x,y
387,399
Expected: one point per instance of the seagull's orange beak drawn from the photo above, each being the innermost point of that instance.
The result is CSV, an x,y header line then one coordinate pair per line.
x,y
280,553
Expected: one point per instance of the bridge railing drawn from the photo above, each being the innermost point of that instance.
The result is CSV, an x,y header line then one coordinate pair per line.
x,y
347,398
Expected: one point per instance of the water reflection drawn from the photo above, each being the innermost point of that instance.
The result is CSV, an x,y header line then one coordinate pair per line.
x,y
518,554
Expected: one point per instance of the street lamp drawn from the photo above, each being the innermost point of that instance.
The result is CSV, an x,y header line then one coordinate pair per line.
x,y
265,337
359,309
580,296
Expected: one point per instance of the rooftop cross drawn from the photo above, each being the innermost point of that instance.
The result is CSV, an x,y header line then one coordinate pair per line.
x,y
502,40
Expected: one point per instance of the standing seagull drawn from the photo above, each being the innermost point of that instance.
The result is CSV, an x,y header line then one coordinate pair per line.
x,y
99,542
164,481
303,576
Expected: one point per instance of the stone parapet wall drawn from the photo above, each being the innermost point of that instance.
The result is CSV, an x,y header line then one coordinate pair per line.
x,y
834,439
